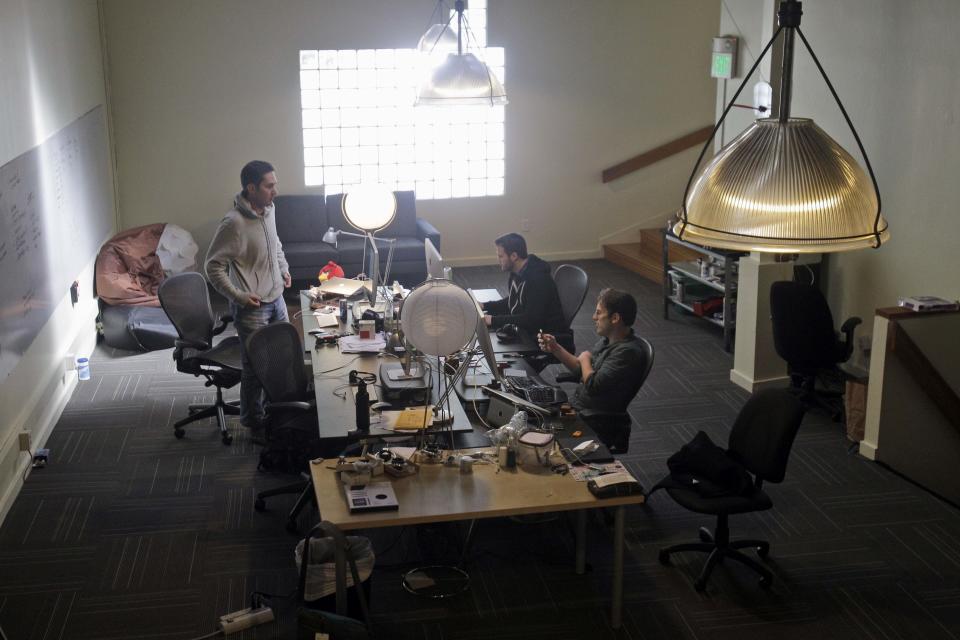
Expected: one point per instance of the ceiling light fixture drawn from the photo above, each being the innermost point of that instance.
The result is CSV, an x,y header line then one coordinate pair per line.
x,y
462,78
783,185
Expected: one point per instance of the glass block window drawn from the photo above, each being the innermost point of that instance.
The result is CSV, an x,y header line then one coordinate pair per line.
x,y
360,125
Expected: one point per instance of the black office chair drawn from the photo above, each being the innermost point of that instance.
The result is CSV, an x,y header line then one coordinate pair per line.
x,y
276,355
760,442
186,301
614,427
572,283
804,336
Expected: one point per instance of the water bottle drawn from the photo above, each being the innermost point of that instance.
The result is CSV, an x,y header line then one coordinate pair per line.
x,y
83,368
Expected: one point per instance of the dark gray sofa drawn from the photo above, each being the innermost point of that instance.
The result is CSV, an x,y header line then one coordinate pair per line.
x,y
303,219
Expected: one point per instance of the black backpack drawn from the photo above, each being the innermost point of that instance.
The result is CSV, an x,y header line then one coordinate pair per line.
x,y
704,467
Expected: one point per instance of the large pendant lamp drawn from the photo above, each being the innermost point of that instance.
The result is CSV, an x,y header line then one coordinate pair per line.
x,y
462,78
783,185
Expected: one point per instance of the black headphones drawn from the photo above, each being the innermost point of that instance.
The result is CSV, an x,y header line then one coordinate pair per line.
x,y
365,377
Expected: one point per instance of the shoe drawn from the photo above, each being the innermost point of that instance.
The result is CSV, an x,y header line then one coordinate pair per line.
x,y
254,423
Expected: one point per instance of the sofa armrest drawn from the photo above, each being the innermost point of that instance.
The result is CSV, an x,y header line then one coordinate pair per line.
x,y
426,230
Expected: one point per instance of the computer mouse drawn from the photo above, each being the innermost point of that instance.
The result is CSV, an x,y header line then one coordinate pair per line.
x,y
585,447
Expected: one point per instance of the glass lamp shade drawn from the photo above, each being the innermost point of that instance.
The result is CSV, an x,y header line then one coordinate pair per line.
x,y
439,318
783,187
439,39
461,79
369,207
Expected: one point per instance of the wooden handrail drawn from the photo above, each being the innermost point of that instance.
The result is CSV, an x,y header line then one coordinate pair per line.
x,y
926,375
656,155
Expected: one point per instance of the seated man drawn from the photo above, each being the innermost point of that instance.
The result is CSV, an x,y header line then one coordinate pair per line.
x,y
612,373
532,302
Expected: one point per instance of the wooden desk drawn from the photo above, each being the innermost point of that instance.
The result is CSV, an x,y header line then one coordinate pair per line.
x,y
442,494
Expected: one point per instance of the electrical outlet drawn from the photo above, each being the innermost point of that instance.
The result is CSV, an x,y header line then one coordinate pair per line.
x,y
69,363
24,441
524,224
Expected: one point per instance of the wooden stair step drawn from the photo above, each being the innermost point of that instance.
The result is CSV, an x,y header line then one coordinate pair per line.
x,y
645,258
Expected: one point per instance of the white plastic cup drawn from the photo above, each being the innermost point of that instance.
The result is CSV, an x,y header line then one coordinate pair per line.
x,y
83,368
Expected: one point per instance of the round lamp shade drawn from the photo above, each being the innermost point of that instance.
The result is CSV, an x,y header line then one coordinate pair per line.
x,y
461,80
783,188
439,318
369,207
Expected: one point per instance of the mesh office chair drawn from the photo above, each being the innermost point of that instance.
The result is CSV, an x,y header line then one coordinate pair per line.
x,y
276,355
614,427
804,336
760,442
572,283
186,301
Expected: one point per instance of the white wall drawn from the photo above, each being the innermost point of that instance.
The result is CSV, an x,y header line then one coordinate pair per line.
x,y
52,75
892,63
198,88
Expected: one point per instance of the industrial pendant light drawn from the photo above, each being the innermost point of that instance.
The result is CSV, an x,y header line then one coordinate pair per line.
x,y
462,78
783,185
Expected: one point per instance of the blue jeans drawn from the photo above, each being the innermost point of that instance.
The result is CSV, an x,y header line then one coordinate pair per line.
x,y
247,320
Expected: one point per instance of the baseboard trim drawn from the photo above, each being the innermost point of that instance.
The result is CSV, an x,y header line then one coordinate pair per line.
x,y
749,384
868,450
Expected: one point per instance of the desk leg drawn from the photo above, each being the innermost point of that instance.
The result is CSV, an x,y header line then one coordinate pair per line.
x,y
581,543
616,606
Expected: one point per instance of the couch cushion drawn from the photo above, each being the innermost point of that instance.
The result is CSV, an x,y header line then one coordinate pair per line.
x,y
404,225
310,254
300,218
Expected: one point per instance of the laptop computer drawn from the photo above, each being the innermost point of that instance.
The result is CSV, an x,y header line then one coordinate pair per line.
x,y
345,287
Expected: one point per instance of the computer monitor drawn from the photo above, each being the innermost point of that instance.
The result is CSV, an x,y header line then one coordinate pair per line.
x,y
435,266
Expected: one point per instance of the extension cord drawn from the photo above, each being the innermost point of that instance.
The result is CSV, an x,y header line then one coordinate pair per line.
x,y
244,619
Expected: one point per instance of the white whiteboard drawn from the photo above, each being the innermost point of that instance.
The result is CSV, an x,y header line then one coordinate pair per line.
x,y
55,212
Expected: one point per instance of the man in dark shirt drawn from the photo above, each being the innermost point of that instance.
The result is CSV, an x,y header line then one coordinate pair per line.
x,y
611,374
532,303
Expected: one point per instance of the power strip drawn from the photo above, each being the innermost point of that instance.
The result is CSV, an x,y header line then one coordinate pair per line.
x,y
244,619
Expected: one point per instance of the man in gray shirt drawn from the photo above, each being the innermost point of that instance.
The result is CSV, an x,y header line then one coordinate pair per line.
x,y
246,264
612,373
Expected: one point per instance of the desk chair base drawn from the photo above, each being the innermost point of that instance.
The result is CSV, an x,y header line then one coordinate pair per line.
x,y
307,496
719,546
220,409
436,581
804,387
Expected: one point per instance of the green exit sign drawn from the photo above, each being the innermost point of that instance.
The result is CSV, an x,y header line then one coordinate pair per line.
x,y
722,65
723,59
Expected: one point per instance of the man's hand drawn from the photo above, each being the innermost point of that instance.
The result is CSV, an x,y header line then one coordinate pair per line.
x,y
487,319
287,281
547,342
253,300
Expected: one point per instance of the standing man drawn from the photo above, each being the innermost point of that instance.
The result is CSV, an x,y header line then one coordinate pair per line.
x,y
532,302
612,373
246,264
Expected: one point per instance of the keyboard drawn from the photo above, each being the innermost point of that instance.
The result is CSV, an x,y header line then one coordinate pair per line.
x,y
535,391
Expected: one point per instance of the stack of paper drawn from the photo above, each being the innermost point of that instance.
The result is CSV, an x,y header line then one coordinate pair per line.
x,y
356,344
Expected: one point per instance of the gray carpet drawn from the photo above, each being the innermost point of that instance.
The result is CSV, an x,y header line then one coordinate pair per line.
x,y
130,533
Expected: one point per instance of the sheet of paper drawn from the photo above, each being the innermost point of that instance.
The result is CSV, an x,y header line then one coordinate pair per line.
x,y
485,295
409,419
356,344
326,319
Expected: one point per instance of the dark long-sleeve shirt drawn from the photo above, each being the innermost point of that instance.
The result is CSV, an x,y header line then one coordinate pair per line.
x,y
617,375
532,301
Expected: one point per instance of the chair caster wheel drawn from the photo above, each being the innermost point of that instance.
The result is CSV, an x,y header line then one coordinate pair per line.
x,y
259,504
705,535
291,526
178,433
664,558
226,439
700,586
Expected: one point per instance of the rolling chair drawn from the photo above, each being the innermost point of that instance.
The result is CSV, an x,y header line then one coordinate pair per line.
x,y
572,283
760,442
276,355
614,427
186,301
804,336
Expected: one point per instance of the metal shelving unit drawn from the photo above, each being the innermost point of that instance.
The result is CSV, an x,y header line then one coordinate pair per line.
x,y
689,272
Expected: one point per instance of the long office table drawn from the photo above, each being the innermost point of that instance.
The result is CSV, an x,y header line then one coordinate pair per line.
x,y
439,493
330,368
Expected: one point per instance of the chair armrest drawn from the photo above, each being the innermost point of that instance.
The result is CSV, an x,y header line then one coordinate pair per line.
x,y
599,414
427,230
275,407
847,330
199,345
223,321
567,376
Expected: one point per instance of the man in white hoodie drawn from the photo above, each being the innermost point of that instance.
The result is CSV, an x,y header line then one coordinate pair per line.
x,y
246,264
